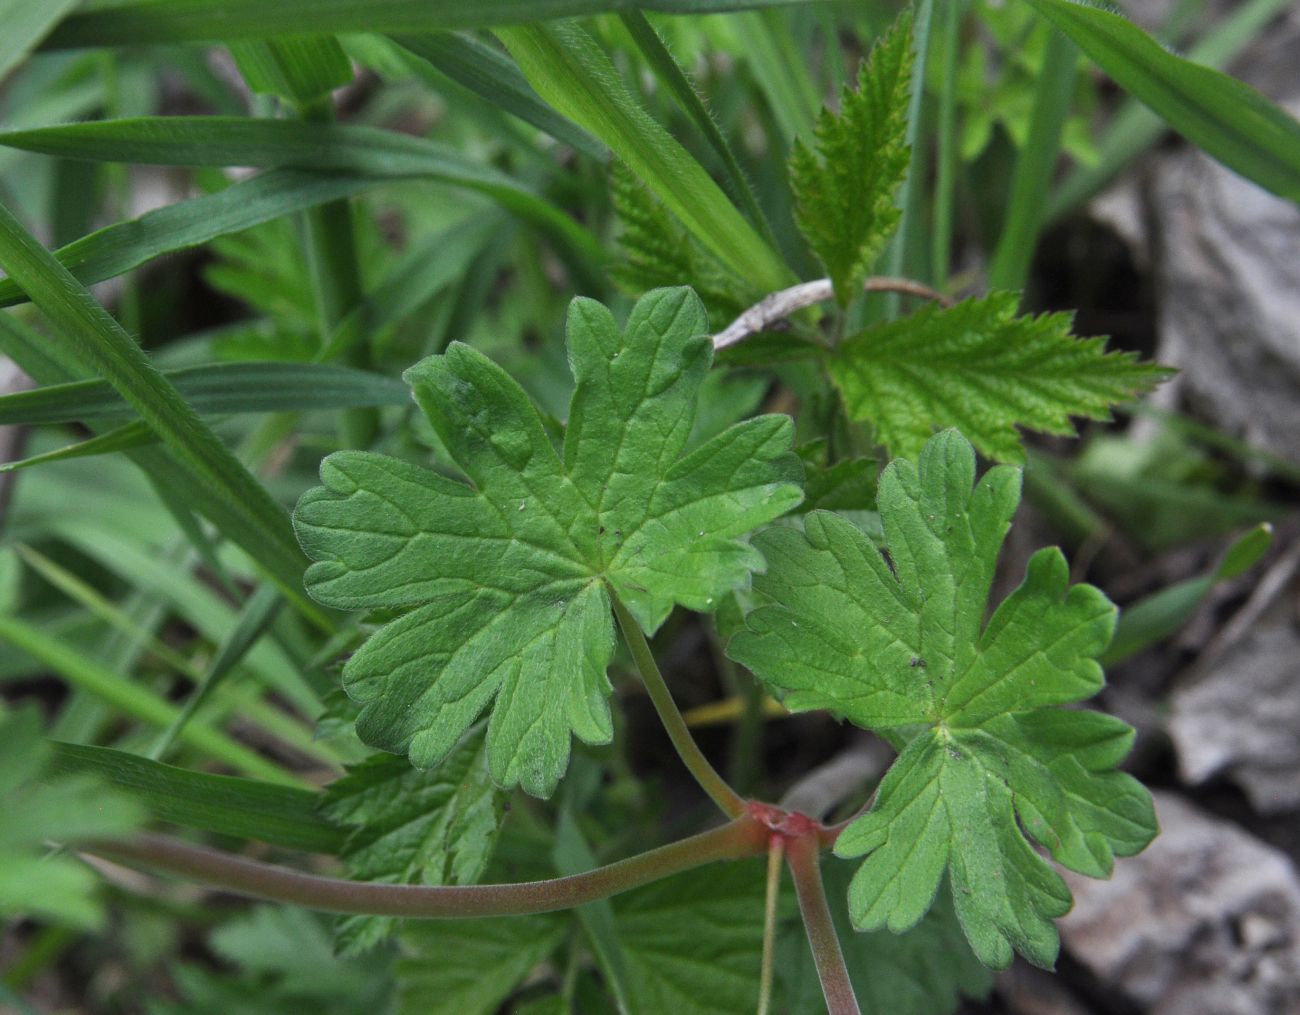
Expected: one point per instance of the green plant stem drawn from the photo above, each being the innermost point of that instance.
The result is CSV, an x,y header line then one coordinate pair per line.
x,y
803,857
730,802
736,840
775,854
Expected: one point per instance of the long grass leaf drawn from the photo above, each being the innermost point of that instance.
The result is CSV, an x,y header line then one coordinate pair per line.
x,y
1228,119
243,808
214,390
261,525
1035,164
140,22
670,74
121,438
26,23
1135,128
571,73
241,141
490,74
254,619
118,248
133,700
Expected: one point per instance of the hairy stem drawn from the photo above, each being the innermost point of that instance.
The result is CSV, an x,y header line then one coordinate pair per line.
x,y
802,856
736,840
730,802
779,305
775,853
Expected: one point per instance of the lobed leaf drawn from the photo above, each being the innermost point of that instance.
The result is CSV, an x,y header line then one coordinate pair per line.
x,y
981,368
510,573
900,646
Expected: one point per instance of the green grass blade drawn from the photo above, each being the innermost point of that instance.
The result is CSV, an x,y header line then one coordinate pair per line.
x,y
1135,128
1229,120
241,141
1035,165
214,390
299,69
1159,615
423,271
141,22
780,75
489,73
571,73
133,700
679,86
254,619
122,438
118,248
91,335
243,808
26,23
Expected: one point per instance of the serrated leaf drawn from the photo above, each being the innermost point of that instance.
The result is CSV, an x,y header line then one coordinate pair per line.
x,y
844,185
981,368
468,967
282,965
900,646
658,251
413,827
511,572
36,808
692,943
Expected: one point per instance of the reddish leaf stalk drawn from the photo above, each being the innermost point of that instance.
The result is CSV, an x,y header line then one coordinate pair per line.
x,y
741,838
802,856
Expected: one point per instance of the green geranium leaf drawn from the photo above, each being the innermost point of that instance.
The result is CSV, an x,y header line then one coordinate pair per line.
x,y
983,369
511,571
408,826
900,646
844,186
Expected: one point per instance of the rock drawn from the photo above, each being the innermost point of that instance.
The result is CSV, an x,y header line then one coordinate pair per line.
x,y
1205,922
1230,299
1241,717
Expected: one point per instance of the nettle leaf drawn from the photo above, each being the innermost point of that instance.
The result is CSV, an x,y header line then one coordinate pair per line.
x,y
511,572
468,967
657,250
899,645
981,368
410,826
844,186
692,943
